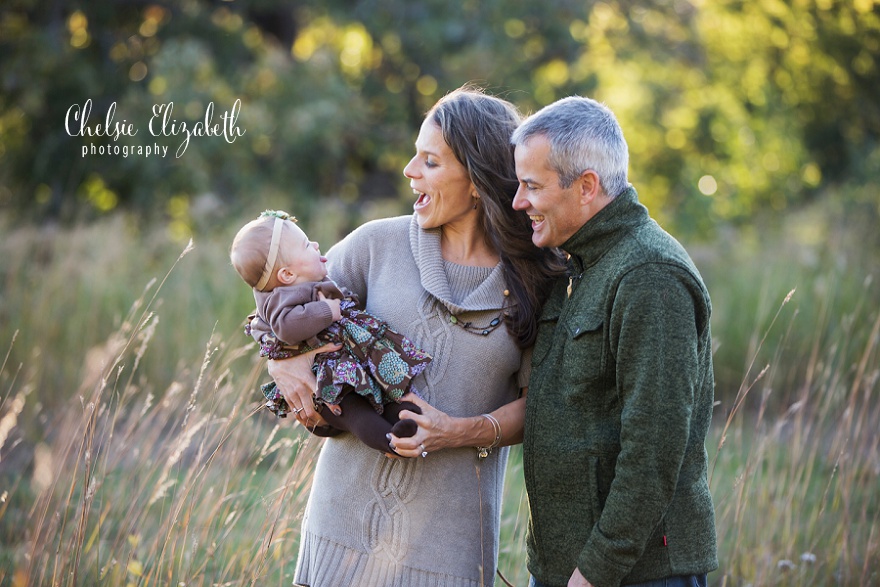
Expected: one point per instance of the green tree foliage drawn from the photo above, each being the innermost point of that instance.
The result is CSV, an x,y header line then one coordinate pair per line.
x,y
730,107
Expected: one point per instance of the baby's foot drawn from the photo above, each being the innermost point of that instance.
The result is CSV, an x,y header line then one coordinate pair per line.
x,y
405,428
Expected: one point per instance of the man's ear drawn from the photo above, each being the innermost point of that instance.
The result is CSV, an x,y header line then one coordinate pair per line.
x,y
286,276
589,186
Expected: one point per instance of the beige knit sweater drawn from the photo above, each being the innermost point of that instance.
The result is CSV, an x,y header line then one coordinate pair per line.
x,y
374,521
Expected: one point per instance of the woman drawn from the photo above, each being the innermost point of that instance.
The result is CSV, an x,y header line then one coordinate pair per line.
x,y
461,278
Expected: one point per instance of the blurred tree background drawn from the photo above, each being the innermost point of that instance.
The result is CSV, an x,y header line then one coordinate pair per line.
x,y
730,107
754,131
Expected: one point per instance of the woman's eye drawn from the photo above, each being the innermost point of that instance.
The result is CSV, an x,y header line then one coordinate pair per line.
x,y
429,163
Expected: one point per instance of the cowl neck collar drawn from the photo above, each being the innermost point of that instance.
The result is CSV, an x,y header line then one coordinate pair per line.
x,y
488,295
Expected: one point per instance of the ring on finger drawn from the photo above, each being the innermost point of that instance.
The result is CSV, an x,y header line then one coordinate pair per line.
x,y
296,411
424,452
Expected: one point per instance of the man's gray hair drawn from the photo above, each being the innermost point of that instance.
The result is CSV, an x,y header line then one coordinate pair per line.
x,y
583,134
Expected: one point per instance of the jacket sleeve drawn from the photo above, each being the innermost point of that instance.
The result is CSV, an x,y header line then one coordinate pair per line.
x,y
653,335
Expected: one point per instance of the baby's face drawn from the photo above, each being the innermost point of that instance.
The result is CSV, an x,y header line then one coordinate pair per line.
x,y
303,257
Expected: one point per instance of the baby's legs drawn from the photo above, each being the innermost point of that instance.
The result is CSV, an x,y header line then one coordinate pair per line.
x,y
359,418
401,428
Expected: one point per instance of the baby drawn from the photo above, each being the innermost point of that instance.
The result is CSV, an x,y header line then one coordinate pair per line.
x,y
300,309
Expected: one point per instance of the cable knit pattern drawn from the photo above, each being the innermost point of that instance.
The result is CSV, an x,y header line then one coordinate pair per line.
x,y
373,521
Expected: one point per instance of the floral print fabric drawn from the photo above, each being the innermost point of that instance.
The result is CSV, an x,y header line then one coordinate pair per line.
x,y
375,361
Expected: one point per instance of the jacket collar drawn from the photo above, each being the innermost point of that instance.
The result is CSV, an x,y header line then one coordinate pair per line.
x,y
600,233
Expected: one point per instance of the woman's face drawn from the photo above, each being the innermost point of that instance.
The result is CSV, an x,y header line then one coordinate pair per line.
x,y
443,189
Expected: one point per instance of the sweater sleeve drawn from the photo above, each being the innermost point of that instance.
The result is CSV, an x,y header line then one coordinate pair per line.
x,y
654,342
349,261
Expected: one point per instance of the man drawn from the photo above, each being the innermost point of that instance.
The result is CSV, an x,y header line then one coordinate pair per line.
x,y
621,391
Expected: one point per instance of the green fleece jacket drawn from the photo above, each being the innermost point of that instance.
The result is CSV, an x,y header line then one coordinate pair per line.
x,y
619,405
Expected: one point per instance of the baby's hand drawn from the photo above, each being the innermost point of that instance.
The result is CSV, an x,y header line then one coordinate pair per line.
x,y
334,306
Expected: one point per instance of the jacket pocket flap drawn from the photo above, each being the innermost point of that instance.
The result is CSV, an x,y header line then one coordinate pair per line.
x,y
582,323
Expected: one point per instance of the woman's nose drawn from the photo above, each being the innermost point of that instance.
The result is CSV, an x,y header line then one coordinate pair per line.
x,y
410,169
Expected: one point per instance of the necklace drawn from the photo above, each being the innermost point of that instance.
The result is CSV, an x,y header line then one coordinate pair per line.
x,y
471,327
485,329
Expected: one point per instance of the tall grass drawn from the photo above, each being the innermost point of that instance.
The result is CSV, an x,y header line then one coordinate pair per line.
x,y
796,488
181,487
132,451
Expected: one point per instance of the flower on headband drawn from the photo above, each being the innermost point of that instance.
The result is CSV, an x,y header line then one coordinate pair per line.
x,y
278,214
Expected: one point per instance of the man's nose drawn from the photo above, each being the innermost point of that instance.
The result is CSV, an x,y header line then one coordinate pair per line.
x,y
519,201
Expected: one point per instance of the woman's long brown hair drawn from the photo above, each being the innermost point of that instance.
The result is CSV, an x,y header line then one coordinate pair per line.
x,y
477,127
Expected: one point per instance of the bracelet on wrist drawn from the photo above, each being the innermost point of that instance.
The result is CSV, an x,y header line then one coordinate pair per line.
x,y
483,451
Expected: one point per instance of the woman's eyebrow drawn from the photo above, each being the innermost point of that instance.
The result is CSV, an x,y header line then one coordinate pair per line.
x,y
425,151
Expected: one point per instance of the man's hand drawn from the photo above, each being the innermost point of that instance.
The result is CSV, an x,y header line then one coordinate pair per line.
x,y
578,580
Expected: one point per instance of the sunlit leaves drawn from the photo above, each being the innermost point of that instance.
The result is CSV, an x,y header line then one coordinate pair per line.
x,y
724,90
78,26
350,44
769,98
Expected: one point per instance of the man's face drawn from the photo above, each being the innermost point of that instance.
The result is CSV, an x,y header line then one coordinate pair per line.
x,y
556,212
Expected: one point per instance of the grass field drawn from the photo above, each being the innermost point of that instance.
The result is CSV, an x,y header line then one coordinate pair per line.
x,y
132,451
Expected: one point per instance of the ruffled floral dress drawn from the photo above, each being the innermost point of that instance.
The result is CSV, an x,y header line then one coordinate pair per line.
x,y
375,361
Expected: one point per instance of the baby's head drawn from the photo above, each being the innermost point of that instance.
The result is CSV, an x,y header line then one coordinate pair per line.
x,y
272,251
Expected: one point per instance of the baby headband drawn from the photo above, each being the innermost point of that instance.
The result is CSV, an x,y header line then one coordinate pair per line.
x,y
280,217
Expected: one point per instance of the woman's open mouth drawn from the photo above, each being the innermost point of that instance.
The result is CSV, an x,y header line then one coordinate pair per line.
x,y
422,201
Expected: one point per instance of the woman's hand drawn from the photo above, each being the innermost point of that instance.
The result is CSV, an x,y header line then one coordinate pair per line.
x,y
296,382
437,430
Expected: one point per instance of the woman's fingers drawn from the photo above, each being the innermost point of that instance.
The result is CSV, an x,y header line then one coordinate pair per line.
x,y
433,428
427,409
406,447
296,382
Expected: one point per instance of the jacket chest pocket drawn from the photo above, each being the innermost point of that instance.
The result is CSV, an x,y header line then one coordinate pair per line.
x,y
584,357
